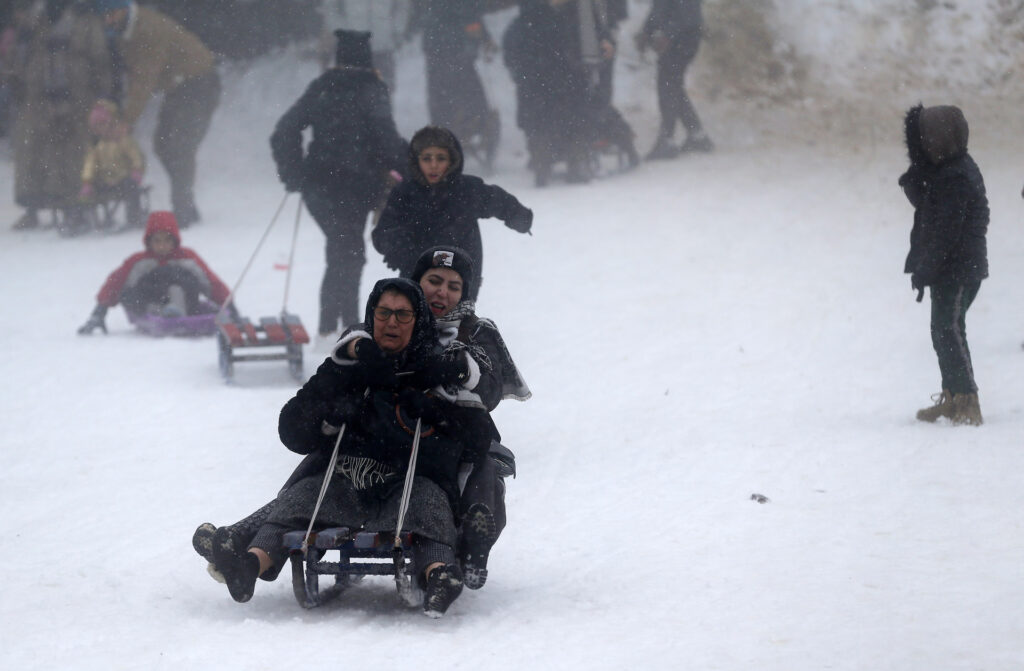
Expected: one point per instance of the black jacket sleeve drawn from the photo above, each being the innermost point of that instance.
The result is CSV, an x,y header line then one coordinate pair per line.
x,y
301,422
392,236
489,200
286,140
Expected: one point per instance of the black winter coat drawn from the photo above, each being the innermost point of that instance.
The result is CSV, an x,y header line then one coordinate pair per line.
x,y
355,143
951,214
679,20
418,216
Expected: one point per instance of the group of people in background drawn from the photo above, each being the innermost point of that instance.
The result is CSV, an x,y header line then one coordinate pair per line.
x,y
72,61
60,59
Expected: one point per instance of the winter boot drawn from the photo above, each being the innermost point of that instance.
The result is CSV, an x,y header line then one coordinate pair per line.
x,y
966,409
202,540
27,221
444,585
240,568
697,142
663,149
943,407
479,532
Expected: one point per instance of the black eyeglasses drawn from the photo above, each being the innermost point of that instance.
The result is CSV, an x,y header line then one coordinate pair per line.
x,y
401,316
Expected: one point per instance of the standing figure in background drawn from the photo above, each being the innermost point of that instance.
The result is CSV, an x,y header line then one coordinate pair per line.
x,y
385,20
346,170
948,251
159,55
61,64
554,51
454,34
114,165
614,12
673,29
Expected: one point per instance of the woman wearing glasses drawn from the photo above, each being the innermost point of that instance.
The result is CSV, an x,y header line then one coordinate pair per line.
x,y
377,396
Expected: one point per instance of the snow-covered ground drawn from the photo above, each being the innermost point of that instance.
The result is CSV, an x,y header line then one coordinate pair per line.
x,y
694,332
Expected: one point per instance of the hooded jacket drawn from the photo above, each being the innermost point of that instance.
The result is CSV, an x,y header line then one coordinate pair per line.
x,y
355,142
374,451
945,186
418,216
136,266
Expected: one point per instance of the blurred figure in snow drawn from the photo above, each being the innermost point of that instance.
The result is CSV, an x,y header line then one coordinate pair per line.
x,y
346,170
385,20
948,251
60,64
114,164
165,279
454,35
161,56
673,30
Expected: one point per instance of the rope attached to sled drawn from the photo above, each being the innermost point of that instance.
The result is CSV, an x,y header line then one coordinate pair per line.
x,y
234,289
403,507
291,259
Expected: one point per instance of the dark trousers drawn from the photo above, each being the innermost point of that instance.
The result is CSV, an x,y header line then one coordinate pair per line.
x,y
153,288
342,218
181,126
950,302
485,487
673,101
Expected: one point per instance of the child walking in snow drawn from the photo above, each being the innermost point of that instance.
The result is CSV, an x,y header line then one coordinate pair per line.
x,y
114,164
165,279
440,205
947,247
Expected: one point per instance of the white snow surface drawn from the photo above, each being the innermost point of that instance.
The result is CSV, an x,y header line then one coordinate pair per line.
x,y
694,332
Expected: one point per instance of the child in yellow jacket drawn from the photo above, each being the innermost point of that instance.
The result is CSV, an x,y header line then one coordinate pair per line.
x,y
114,165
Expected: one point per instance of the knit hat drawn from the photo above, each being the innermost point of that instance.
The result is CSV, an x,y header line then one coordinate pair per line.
x,y
434,136
447,257
105,6
353,49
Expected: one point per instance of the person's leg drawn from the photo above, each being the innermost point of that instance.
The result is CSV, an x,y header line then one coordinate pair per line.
x,y
182,123
949,335
342,221
482,518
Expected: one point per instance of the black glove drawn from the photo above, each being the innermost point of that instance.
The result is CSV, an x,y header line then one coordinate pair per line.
x,y
418,405
917,284
378,370
96,321
437,371
522,222
292,183
339,411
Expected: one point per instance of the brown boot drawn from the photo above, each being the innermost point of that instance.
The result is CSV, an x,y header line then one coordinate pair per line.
x,y
966,410
943,407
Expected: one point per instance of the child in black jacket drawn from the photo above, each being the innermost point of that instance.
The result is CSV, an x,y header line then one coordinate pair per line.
x,y
947,247
440,205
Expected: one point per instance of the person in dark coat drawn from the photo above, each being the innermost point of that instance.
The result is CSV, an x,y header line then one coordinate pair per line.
x,y
345,172
555,59
948,251
454,35
378,408
440,205
673,30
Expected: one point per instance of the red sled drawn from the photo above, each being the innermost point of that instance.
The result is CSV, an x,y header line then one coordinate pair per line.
x,y
273,339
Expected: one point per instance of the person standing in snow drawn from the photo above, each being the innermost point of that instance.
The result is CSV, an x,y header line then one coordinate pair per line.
x,y
673,30
60,65
159,55
948,251
440,205
344,173
454,34
165,279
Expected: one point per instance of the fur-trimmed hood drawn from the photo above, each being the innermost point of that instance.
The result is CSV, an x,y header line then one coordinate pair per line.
x,y
435,136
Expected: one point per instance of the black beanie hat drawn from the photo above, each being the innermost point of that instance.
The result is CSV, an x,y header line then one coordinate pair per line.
x,y
455,258
353,49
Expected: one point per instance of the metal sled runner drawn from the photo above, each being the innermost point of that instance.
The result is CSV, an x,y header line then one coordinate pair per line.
x,y
361,553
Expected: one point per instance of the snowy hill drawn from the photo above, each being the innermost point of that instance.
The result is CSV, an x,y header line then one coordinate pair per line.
x,y
694,332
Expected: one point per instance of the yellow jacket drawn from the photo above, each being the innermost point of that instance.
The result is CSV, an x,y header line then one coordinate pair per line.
x,y
159,54
110,162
